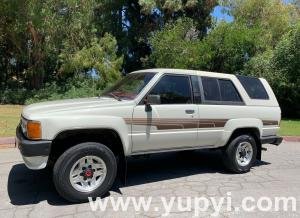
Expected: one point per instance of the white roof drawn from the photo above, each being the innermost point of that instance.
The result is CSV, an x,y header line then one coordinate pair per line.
x,y
271,102
188,72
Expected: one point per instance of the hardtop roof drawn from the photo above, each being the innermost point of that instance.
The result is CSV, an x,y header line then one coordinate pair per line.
x,y
187,72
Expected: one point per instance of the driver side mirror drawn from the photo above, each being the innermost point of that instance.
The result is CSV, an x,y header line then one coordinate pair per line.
x,y
151,99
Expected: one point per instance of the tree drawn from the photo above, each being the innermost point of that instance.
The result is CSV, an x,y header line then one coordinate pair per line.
x,y
133,21
273,17
286,60
232,45
53,27
100,55
226,48
178,46
35,33
12,50
281,68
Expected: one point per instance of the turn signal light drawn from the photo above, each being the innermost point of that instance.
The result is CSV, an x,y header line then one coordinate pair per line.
x,y
34,130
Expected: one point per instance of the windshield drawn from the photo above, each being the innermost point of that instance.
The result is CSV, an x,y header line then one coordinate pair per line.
x,y
129,87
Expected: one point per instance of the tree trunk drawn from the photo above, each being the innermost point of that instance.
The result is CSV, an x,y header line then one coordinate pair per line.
x,y
36,58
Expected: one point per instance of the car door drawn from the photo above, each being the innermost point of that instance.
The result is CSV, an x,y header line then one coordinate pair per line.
x,y
220,102
172,122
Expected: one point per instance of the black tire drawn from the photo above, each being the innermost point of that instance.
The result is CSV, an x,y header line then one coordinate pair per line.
x,y
63,165
229,154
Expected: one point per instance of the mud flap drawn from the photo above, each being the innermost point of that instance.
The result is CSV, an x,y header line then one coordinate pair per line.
x,y
123,170
258,155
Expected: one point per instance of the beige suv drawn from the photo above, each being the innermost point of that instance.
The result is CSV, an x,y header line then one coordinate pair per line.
x,y
149,111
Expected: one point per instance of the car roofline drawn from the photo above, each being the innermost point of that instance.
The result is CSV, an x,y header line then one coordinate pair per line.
x,y
187,72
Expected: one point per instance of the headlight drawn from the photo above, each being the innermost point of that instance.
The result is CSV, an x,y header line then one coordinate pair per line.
x,y
31,129
24,126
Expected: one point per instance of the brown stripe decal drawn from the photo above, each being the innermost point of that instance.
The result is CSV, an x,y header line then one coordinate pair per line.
x,y
172,123
270,122
168,123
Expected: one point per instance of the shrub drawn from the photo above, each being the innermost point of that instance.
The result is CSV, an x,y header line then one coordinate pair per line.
x,y
73,88
77,87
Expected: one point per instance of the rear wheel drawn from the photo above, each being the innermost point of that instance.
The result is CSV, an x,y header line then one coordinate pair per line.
x,y
85,170
240,154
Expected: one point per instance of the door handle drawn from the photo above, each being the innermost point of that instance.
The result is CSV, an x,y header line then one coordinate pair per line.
x,y
189,111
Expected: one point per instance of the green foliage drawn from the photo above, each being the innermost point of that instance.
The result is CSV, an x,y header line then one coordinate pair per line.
x,y
272,17
281,68
286,60
226,48
231,45
36,33
178,46
77,87
100,55
287,55
133,22
14,96
263,41
261,66
47,47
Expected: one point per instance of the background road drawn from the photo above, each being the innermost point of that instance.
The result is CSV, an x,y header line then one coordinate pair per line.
x,y
26,193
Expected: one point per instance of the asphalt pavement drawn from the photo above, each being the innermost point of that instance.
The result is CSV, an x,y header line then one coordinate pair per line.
x,y
27,193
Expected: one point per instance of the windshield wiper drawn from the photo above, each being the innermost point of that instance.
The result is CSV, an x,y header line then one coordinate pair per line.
x,y
114,96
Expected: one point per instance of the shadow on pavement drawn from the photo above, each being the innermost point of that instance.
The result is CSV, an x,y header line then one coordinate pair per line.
x,y
173,165
27,187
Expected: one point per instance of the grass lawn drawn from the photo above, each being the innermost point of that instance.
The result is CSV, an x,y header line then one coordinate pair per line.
x,y
10,117
290,127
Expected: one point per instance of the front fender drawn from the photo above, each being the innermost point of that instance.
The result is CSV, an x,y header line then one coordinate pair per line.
x,y
51,127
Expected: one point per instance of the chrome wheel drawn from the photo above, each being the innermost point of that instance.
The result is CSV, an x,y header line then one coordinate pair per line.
x,y
244,153
88,173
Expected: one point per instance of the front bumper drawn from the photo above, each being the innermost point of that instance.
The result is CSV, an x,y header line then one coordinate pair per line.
x,y
275,140
35,153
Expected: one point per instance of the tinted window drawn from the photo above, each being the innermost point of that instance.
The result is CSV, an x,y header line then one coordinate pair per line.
x,y
228,91
253,87
211,89
130,86
173,90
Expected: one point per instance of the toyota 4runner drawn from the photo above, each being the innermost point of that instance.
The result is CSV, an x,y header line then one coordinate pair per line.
x,y
148,111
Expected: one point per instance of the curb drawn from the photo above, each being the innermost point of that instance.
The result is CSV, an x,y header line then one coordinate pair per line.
x,y
7,142
291,138
7,146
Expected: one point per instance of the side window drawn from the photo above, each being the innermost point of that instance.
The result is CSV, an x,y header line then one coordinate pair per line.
x,y
253,87
211,89
173,89
220,91
228,91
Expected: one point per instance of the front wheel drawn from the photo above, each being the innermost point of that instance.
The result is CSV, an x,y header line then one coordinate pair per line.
x,y
240,154
85,170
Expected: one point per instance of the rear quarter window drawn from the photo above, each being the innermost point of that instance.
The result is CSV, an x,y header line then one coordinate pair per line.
x,y
220,91
253,87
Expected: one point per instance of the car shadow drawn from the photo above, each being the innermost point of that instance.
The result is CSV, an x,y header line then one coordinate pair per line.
x,y
26,187
165,166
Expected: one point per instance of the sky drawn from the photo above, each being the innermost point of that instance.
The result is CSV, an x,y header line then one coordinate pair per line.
x,y
219,15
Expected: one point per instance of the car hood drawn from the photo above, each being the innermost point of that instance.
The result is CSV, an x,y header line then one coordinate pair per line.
x,y
71,105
